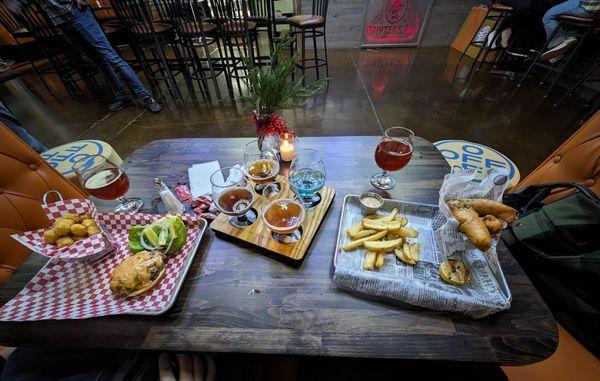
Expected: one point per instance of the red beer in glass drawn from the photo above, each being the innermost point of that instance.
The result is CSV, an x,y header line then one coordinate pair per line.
x,y
108,184
392,153
103,179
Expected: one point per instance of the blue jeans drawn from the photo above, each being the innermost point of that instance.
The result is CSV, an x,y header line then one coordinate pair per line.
x,y
85,33
550,21
13,124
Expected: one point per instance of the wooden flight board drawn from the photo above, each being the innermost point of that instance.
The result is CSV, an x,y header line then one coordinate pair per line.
x,y
259,235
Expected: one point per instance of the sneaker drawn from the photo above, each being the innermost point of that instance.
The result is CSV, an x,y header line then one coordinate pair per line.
x,y
554,60
151,104
120,104
559,50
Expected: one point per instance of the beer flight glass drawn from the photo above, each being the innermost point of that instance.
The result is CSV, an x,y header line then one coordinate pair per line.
x,y
106,181
392,153
233,195
261,165
307,176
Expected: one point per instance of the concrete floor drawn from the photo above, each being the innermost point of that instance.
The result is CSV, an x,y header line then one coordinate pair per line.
x,y
371,90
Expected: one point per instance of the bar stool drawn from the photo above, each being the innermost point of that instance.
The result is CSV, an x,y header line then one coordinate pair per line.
x,y
196,32
262,12
69,64
239,35
23,39
150,37
496,13
311,26
584,27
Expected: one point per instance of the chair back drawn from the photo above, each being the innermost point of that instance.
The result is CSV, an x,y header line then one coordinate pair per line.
x,y
319,7
24,179
577,160
231,17
8,20
136,16
262,9
187,16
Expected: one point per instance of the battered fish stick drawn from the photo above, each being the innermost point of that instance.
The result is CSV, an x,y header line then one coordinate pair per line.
x,y
493,224
472,226
485,207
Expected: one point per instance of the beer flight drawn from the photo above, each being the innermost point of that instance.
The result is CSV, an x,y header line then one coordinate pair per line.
x,y
235,189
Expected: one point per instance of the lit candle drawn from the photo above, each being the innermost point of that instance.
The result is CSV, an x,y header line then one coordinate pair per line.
x,y
286,148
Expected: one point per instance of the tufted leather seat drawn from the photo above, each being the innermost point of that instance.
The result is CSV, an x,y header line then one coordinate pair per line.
x,y
576,160
24,178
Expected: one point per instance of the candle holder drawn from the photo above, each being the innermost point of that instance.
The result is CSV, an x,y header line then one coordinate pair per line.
x,y
287,146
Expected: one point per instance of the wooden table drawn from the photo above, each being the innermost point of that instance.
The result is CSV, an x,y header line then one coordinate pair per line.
x,y
238,300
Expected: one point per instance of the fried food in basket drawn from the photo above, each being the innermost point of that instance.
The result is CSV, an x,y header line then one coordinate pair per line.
x,y
137,274
493,224
381,235
468,212
69,229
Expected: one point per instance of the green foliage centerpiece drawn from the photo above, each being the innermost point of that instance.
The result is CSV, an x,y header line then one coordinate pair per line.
x,y
270,90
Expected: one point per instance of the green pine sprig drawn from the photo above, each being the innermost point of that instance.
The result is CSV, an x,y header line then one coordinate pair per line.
x,y
270,88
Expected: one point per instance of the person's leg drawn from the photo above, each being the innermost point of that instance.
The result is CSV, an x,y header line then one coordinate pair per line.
x,y
550,19
9,120
73,31
88,29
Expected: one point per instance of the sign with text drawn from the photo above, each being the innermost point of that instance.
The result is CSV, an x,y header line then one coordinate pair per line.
x,y
395,22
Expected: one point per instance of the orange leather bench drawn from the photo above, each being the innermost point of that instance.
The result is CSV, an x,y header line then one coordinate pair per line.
x,y
576,160
24,179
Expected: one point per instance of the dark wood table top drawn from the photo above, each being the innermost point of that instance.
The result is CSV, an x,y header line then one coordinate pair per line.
x,y
237,300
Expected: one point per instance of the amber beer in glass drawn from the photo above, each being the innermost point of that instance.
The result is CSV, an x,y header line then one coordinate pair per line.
x,y
108,184
107,181
393,152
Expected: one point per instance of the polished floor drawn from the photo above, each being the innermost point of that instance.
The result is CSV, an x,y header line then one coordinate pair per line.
x,y
370,91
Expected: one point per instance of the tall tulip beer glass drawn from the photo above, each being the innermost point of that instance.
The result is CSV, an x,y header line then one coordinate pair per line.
x,y
392,153
106,181
234,196
307,176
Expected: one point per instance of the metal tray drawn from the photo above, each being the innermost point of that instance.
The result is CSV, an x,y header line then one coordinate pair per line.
x,y
424,218
189,258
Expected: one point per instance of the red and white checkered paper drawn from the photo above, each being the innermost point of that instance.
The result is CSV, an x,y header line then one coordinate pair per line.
x,y
84,249
76,290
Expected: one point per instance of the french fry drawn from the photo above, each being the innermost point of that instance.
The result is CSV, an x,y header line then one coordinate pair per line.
x,y
403,254
361,241
382,245
375,216
390,236
362,234
392,215
352,230
379,262
370,259
415,251
381,225
403,220
406,232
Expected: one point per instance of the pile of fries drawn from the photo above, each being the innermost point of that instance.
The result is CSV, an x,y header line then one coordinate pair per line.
x,y
381,235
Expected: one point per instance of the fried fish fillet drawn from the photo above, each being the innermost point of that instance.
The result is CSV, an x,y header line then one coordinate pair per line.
x,y
484,207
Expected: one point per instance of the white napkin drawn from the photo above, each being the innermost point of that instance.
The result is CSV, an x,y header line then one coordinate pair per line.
x,y
199,175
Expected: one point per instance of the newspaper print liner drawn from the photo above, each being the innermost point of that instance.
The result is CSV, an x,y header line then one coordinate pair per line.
x,y
421,284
